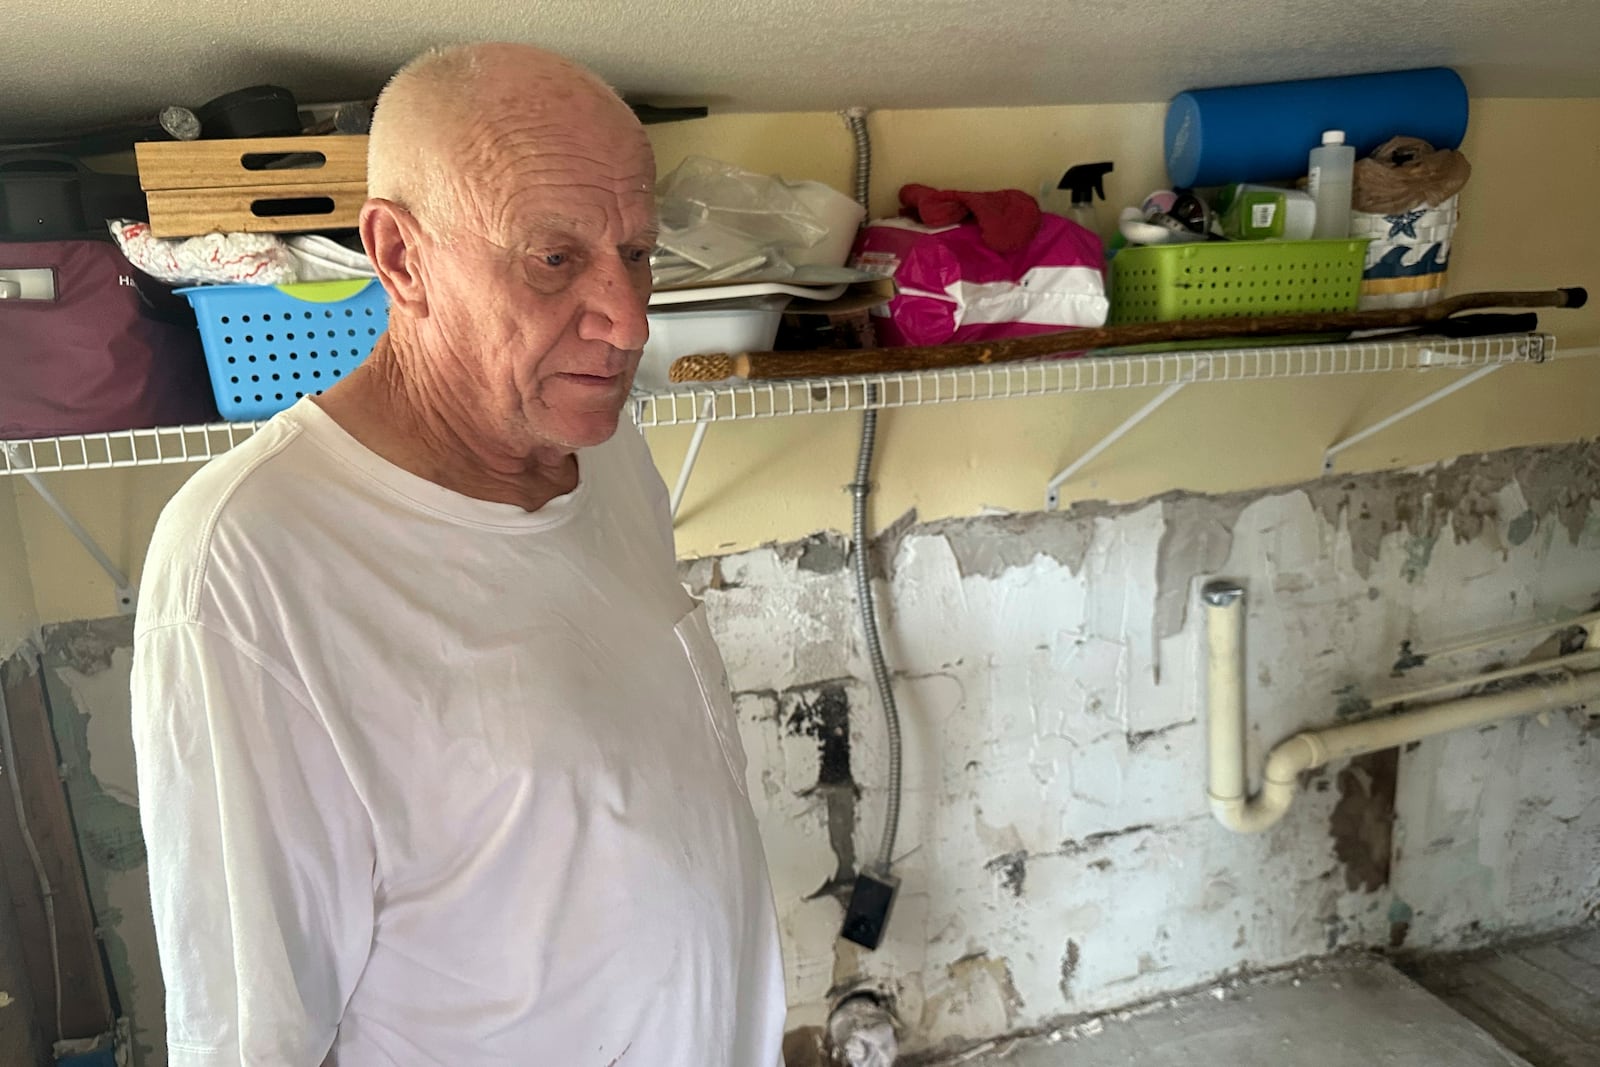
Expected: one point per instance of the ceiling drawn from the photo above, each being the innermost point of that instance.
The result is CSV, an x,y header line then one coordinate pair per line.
x,y
73,62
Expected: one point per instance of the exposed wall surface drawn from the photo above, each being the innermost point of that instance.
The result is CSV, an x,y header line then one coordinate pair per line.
x,y
1056,849
1057,852
86,673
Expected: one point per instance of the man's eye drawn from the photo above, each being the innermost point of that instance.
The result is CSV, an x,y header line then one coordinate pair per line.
x,y
554,259
637,255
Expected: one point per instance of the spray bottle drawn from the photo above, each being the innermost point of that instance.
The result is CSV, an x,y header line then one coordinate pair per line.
x,y
1082,184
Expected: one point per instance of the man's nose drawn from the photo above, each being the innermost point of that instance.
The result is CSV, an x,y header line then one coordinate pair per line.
x,y
615,312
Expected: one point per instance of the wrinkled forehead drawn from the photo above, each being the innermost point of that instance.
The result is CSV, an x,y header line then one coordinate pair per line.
x,y
577,158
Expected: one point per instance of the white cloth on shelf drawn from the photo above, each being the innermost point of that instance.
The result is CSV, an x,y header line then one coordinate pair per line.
x,y
242,258
322,259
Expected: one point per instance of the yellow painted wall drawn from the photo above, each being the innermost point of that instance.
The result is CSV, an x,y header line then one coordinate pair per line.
x,y
760,481
1525,224
18,615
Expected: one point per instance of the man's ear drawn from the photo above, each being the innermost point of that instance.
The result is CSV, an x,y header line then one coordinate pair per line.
x,y
393,240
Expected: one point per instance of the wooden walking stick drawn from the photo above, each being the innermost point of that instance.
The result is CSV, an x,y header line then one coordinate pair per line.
x,y
826,363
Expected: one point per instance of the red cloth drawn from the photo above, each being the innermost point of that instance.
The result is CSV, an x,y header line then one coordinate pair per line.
x,y
1007,218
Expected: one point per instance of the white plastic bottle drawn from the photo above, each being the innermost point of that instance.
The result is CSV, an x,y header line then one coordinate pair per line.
x,y
1329,185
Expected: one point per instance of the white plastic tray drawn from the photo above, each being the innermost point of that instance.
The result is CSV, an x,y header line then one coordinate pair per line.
x,y
730,292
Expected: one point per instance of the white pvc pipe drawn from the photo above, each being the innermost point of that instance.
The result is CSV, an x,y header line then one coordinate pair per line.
x,y
1586,660
1228,785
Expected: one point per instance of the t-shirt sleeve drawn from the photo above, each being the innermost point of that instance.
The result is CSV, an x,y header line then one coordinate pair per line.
x,y
260,852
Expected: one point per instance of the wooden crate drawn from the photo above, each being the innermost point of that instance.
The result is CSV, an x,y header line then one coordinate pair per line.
x,y
253,185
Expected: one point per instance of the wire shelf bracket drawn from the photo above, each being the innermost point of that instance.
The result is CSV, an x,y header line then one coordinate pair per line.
x,y
1052,489
28,459
126,594
1332,453
691,457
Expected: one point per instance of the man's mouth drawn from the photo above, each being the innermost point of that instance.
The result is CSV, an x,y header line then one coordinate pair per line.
x,y
599,380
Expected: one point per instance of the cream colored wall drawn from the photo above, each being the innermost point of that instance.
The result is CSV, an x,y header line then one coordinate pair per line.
x,y
1533,160
119,508
1525,224
18,615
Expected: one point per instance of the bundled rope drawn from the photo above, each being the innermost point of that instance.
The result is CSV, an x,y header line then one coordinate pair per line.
x,y
1404,173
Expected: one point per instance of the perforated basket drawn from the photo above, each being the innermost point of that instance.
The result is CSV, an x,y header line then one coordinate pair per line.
x,y
1222,279
269,345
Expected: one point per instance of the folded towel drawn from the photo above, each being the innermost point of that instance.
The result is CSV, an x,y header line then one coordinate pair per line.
x,y
1007,218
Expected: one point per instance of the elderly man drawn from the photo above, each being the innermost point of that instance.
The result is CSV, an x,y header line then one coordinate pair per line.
x,y
437,762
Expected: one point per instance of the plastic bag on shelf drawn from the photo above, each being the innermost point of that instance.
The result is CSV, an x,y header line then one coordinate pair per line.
x,y
719,221
1405,200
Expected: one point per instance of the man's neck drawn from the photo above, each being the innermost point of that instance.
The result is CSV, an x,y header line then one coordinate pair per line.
x,y
396,415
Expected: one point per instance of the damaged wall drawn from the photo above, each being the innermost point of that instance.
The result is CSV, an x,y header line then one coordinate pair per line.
x,y
1060,857
1057,852
86,672
1056,847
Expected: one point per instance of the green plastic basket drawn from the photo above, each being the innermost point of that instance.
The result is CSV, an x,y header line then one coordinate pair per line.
x,y
1223,279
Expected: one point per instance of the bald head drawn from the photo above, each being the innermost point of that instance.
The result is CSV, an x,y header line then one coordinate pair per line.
x,y
440,119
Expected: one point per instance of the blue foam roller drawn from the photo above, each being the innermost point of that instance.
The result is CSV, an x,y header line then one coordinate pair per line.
x,y
1263,132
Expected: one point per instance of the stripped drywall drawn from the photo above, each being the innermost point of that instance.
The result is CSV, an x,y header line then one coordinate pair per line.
x,y
87,668
1057,853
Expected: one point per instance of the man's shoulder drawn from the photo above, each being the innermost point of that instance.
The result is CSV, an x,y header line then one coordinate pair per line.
x,y
201,526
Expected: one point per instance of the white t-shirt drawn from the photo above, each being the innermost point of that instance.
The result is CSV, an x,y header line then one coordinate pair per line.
x,y
431,780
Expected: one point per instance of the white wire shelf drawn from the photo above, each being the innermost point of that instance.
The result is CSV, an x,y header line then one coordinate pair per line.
x,y
725,401
123,448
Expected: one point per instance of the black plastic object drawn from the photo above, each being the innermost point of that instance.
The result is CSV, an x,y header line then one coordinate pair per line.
x,y
867,915
51,197
259,111
1484,325
170,124
1086,180
650,115
1577,296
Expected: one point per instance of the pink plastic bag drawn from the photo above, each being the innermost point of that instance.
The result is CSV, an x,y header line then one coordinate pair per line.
x,y
952,287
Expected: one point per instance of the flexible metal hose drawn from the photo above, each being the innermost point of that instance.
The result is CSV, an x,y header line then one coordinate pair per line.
x,y
856,119
861,489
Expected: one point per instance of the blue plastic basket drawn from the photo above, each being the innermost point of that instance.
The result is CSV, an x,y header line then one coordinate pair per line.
x,y
269,345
